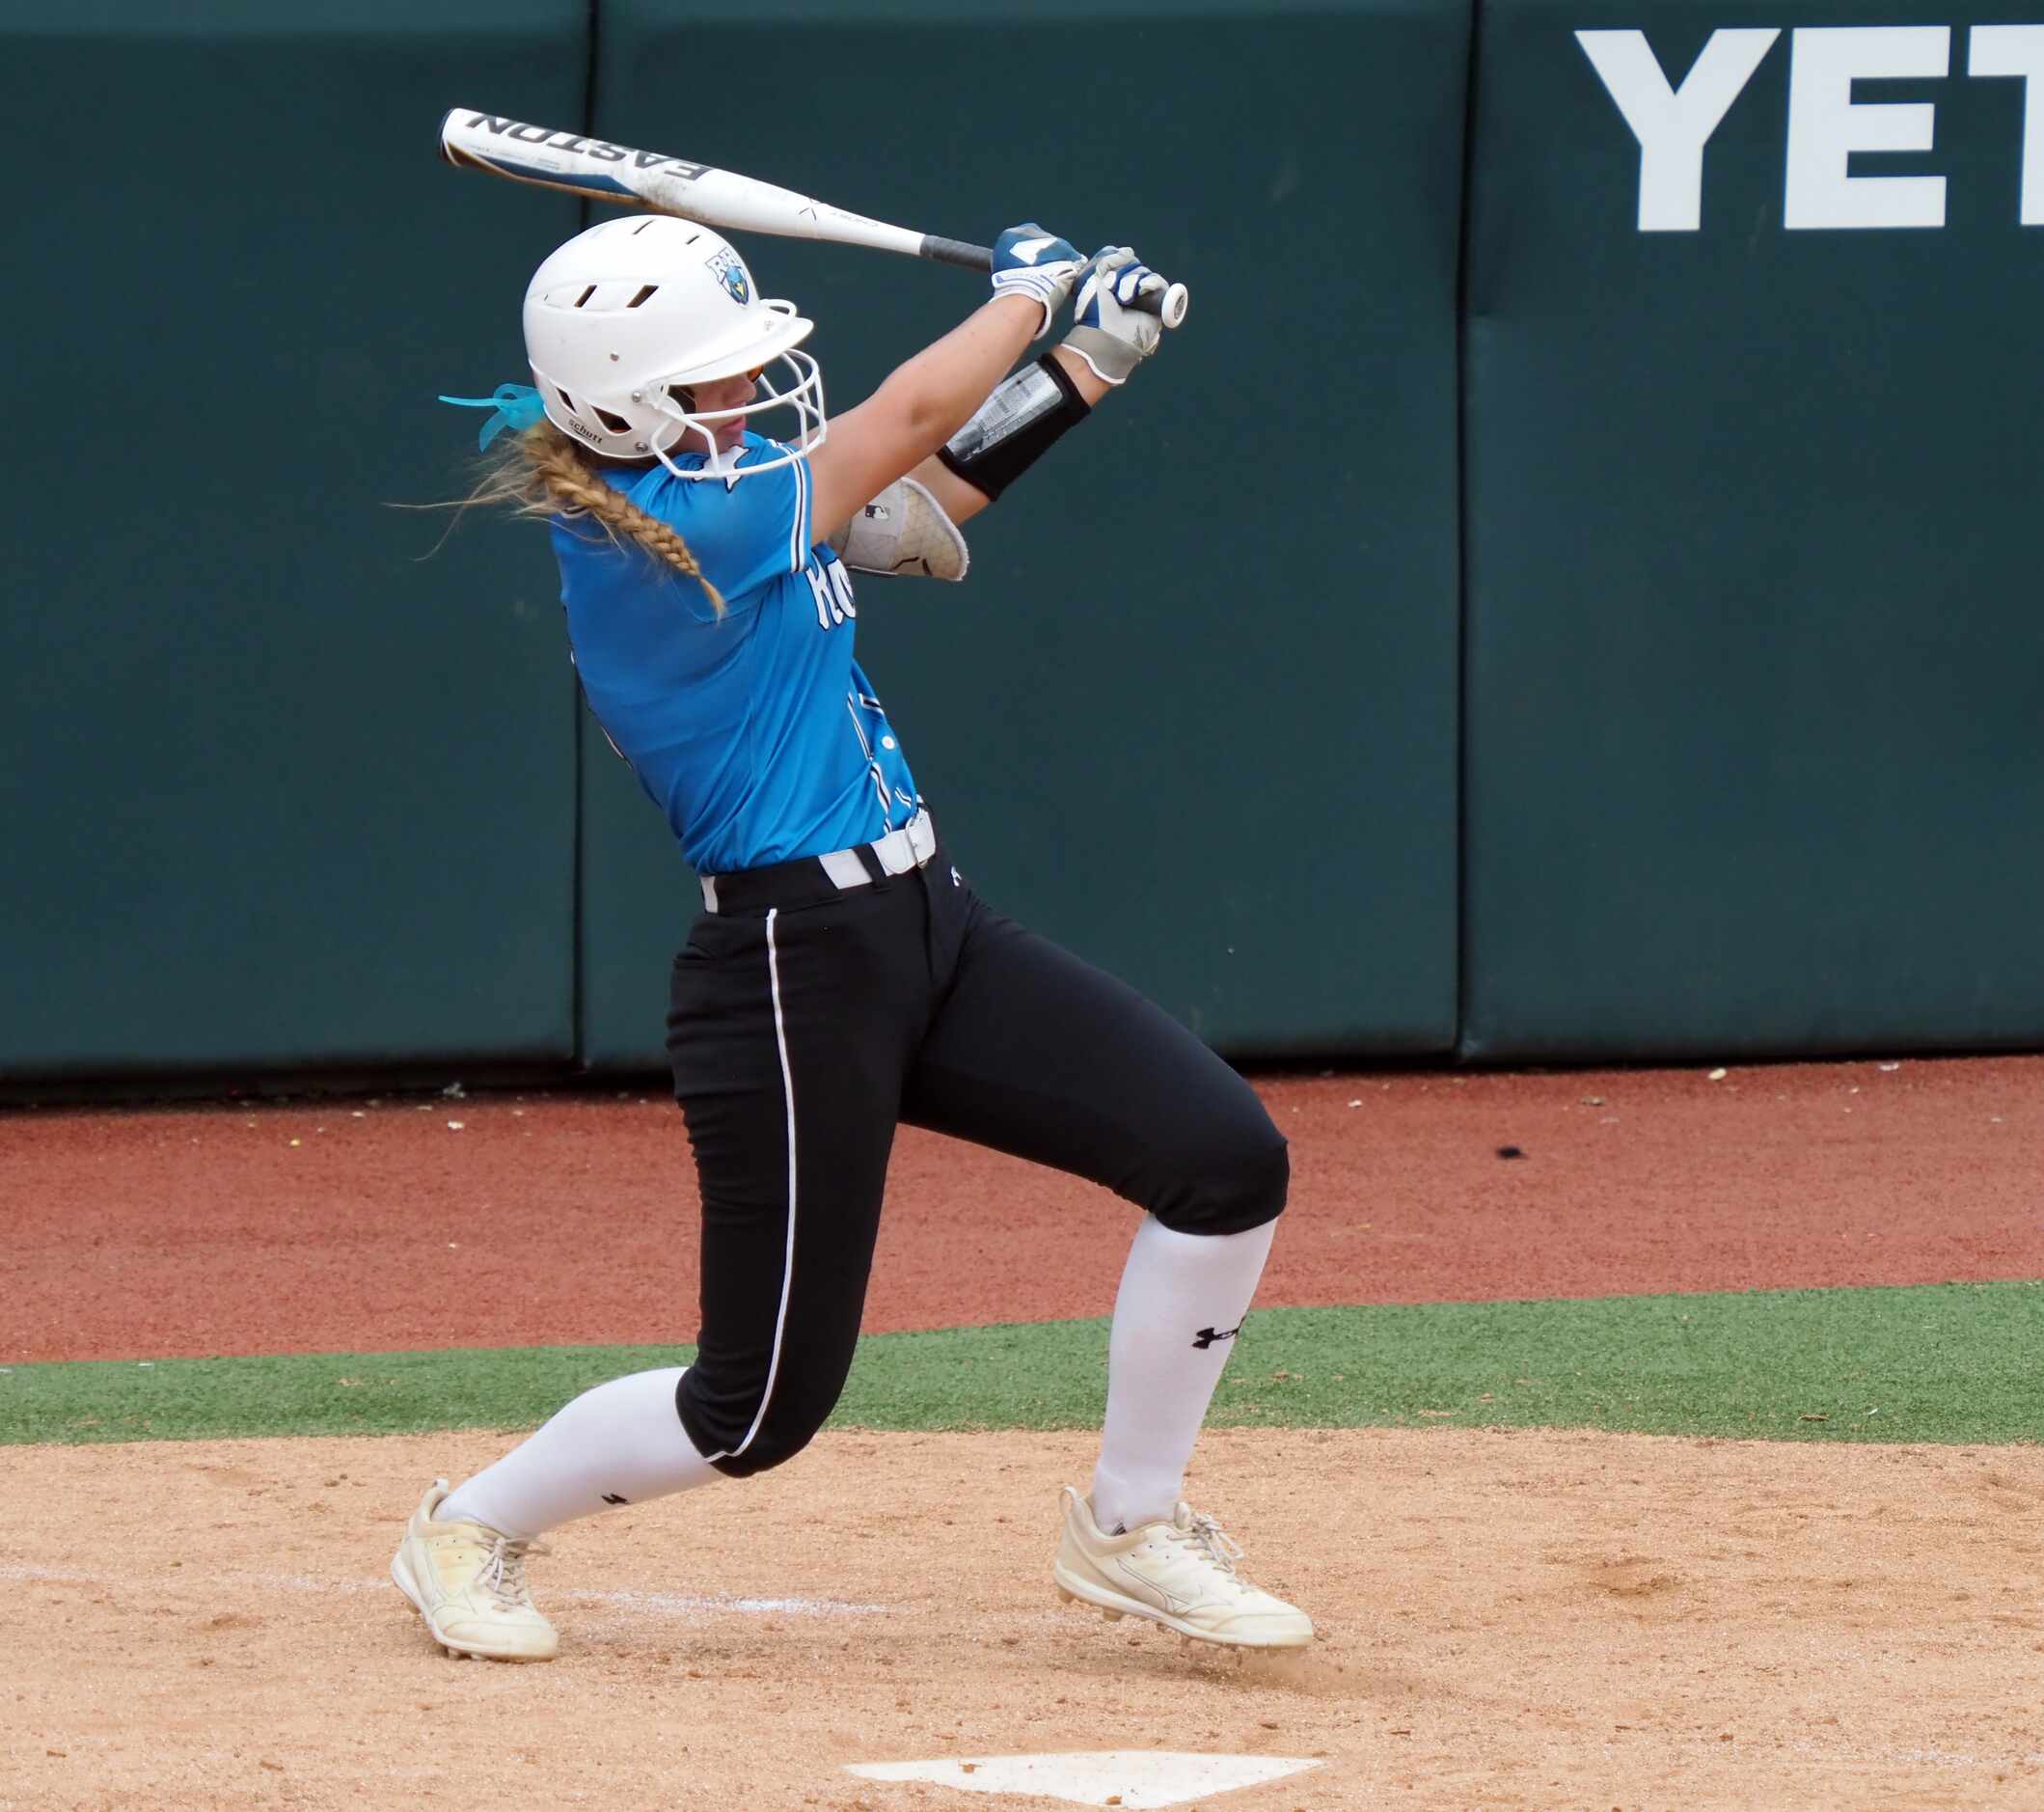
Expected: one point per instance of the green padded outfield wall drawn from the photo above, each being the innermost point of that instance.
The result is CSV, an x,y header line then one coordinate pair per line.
x,y
1756,659
274,791
1752,669
1193,712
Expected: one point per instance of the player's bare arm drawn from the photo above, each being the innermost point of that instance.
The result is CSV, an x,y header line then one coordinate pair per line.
x,y
924,402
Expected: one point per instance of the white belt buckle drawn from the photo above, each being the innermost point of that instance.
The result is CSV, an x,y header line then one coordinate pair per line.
x,y
908,847
895,855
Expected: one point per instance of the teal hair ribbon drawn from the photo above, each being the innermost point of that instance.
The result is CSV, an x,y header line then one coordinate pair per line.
x,y
518,407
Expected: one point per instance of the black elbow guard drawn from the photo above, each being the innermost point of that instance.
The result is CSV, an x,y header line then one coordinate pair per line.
x,y
1015,426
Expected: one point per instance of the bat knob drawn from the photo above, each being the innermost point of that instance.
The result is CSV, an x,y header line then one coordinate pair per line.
x,y
1168,304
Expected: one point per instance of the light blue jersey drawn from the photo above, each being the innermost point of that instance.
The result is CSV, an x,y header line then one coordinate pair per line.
x,y
756,735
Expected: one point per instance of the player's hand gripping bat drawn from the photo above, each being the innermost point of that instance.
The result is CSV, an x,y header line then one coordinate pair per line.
x,y
716,198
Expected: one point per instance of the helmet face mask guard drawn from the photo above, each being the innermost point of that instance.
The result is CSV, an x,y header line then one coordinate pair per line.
x,y
796,386
634,311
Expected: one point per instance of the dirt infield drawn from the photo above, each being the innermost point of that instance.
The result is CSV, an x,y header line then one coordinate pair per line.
x,y
332,1225
1508,1620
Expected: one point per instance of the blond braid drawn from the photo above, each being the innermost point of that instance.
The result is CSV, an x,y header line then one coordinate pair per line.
x,y
542,473
574,489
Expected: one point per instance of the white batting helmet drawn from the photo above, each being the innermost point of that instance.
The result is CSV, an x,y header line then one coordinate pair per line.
x,y
624,318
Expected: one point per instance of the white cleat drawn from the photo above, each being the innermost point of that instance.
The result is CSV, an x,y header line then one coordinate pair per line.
x,y
468,1582
1179,1573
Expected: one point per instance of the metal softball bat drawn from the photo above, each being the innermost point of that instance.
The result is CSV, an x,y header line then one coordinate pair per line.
x,y
520,153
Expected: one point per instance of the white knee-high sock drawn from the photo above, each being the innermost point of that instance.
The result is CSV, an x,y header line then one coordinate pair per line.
x,y
1182,1298
620,1442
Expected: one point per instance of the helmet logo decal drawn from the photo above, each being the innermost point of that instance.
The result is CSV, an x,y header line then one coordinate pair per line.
x,y
731,274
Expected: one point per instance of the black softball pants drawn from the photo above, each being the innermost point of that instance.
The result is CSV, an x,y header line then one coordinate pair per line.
x,y
802,1034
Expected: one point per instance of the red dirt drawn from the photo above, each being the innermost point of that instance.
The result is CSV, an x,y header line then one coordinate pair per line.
x,y
338,1225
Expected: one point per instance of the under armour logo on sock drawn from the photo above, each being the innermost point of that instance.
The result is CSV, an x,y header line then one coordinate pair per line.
x,y
1207,1337
613,1498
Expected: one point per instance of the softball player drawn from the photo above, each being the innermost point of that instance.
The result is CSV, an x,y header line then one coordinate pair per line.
x,y
843,977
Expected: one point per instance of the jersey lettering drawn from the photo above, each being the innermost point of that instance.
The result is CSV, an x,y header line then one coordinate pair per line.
x,y
841,587
833,595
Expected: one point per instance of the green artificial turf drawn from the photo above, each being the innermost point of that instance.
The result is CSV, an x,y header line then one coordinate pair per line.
x,y
1949,1363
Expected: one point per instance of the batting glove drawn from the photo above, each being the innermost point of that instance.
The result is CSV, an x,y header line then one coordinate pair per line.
x,y
1108,331
1029,261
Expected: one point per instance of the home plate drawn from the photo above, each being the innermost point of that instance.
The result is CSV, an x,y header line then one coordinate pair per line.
x,y
1125,1777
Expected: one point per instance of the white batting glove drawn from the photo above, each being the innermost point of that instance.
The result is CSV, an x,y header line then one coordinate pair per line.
x,y
1109,332
1029,261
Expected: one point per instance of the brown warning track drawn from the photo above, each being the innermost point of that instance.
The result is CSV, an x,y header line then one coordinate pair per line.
x,y
334,1224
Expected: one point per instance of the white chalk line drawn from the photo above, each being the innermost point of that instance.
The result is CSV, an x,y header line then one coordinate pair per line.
x,y
1865,1757
644,1604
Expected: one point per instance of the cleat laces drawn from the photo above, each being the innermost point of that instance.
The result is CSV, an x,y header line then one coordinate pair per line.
x,y
1205,1534
502,1575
